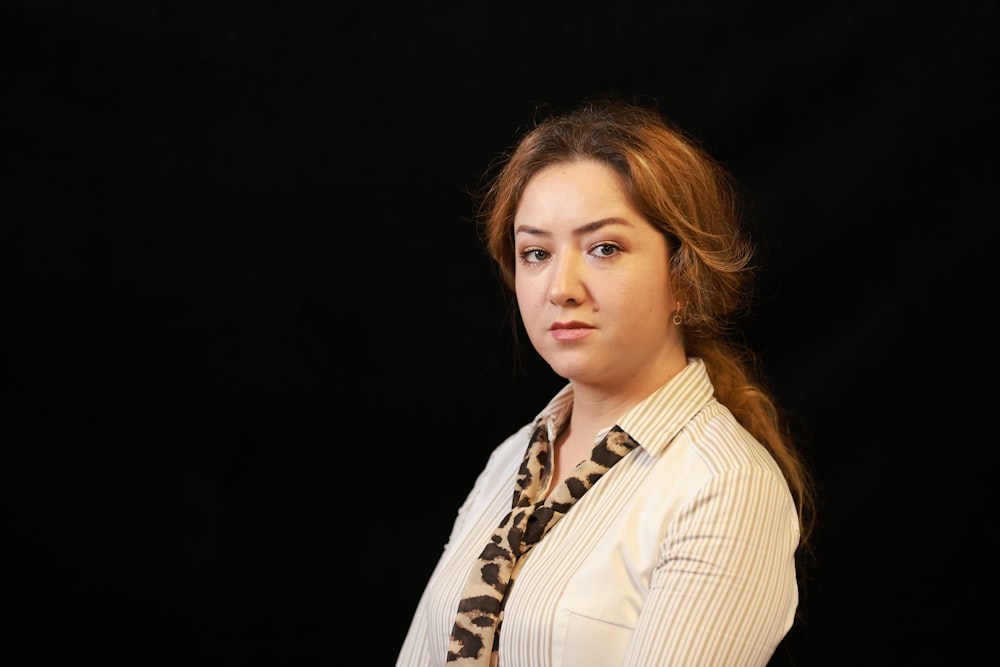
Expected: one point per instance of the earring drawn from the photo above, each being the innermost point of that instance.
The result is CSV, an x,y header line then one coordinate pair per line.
x,y
677,319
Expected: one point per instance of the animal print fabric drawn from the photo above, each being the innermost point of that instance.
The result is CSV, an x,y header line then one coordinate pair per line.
x,y
476,633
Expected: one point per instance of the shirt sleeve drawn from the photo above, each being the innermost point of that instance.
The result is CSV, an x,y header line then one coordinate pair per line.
x,y
724,591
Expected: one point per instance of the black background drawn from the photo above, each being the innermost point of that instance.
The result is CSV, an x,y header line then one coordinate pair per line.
x,y
255,353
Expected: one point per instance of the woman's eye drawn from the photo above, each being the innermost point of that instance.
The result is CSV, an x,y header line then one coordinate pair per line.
x,y
605,249
533,255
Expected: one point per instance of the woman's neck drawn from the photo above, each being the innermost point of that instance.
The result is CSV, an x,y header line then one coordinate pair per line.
x,y
598,407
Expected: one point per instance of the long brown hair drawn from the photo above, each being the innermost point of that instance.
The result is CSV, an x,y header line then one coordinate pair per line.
x,y
692,200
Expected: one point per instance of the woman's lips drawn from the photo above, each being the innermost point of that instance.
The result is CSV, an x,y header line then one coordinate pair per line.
x,y
570,330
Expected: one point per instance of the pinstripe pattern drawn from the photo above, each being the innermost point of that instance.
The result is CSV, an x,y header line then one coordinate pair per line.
x,y
475,637
681,554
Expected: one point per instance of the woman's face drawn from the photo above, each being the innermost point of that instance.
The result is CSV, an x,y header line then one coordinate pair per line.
x,y
592,280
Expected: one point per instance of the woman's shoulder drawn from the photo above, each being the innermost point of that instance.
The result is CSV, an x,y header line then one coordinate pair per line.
x,y
496,478
511,449
723,444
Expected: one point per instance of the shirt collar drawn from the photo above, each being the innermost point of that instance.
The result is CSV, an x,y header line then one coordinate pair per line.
x,y
655,420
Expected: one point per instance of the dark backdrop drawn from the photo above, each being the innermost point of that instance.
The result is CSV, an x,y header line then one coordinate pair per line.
x,y
255,354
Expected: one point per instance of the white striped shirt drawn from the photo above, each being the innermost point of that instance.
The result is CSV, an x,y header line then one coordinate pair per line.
x,y
681,554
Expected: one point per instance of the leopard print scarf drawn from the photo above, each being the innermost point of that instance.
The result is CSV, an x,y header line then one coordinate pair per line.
x,y
475,637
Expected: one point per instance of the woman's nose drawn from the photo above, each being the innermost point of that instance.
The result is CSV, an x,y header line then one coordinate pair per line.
x,y
566,285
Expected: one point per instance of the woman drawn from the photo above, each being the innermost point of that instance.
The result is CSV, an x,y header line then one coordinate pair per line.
x,y
659,504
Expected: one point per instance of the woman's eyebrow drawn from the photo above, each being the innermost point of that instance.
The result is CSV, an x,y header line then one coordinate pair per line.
x,y
579,231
